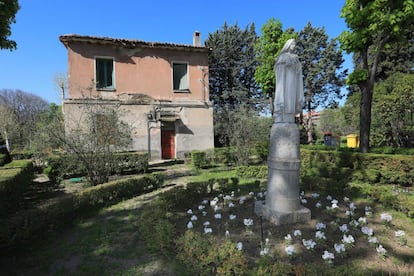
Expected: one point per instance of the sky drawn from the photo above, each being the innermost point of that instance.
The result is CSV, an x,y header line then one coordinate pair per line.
x,y
40,56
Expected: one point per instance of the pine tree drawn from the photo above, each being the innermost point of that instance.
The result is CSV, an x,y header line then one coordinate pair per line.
x,y
323,77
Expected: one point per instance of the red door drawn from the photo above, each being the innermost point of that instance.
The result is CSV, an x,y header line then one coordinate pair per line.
x,y
168,144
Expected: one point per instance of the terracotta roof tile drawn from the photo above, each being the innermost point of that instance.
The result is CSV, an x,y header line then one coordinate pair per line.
x,y
127,43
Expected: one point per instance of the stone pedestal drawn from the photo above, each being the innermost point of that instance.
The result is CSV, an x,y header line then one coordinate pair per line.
x,y
282,205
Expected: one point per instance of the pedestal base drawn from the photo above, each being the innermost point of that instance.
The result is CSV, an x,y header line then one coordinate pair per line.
x,y
280,218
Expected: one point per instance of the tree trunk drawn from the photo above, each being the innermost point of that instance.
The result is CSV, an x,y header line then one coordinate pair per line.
x,y
365,116
309,123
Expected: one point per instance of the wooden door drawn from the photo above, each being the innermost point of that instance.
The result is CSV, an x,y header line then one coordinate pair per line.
x,y
167,144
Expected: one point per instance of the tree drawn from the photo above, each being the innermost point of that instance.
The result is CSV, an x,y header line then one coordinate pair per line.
x,y
231,75
333,120
268,48
8,10
321,64
50,121
20,111
397,57
90,139
393,123
373,25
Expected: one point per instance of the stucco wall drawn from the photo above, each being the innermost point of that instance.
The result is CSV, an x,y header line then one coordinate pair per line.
x,y
193,125
147,71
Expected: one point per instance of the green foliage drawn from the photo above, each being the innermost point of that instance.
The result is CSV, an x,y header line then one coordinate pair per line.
x,y
393,123
242,129
19,114
268,47
224,155
333,120
15,178
320,169
373,25
3,159
27,223
8,12
199,159
232,65
258,172
357,76
261,149
323,77
157,231
66,166
267,266
207,256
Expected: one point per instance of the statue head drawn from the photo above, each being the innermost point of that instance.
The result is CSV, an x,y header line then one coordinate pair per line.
x,y
289,45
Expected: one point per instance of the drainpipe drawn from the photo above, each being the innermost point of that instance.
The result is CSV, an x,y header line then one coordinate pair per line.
x,y
152,117
204,74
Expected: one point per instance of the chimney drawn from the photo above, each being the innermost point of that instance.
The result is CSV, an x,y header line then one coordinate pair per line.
x,y
196,39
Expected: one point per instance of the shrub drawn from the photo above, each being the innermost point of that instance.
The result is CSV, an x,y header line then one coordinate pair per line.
x,y
27,223
252,171
207,256
262,149
4,158
65,166
199,159
269,266
15,178
224,156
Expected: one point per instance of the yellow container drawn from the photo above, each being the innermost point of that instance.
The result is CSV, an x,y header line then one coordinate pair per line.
x,y
352,141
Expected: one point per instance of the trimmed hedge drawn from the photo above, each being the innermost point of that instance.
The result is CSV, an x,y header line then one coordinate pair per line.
x,y
252,171
4,159
15,178
199,159
67,166
27,223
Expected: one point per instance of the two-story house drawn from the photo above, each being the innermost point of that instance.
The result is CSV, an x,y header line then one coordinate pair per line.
x,y
161,90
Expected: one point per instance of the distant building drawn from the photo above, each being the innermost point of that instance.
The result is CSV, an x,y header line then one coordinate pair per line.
x,y
160,88
315,116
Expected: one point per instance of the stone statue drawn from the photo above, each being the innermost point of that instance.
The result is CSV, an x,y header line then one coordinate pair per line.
x,y
289,85
282,204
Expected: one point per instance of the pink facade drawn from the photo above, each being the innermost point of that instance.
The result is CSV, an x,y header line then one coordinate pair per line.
x,y
173,78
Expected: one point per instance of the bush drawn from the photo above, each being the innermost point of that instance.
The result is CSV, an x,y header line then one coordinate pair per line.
x,y
252,171
342,167
67,166
205,255
4,159
199,159
15,178
224,156
27,223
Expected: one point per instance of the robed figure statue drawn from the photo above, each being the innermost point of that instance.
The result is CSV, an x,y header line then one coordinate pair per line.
x,y
289,85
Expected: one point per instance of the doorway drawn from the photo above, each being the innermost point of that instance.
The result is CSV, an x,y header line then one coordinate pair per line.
x,y
168,141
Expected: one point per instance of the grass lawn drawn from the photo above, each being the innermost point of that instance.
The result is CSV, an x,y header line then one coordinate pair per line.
x,y
108,242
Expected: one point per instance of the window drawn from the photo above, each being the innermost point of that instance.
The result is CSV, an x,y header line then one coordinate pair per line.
x,y
104,73
180,76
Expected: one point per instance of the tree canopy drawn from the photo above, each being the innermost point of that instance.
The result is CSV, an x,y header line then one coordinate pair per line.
x,y
232,65
393,124
268,48
373,25
321,61
8,10
19,112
